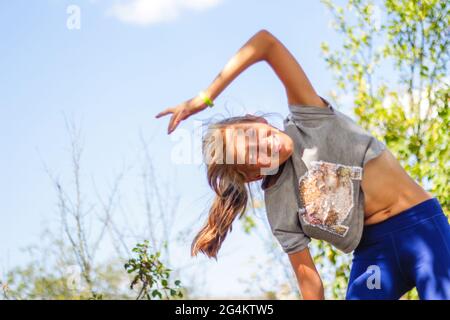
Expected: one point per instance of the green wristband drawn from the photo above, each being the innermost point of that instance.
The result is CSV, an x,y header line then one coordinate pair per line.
x,y
206,99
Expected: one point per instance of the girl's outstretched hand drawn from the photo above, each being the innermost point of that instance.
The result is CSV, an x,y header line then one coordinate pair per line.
x,y
182,111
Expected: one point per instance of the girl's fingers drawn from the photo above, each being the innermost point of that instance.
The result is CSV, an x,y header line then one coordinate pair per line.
x,y
172,123
163,113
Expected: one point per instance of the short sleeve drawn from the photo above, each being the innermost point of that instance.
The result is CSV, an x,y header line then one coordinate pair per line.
x,y
282,213
374,149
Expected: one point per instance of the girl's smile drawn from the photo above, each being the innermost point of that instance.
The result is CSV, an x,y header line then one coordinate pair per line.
x,y
256,146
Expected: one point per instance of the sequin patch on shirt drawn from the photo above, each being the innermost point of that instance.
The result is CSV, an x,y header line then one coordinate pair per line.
x,y
326,191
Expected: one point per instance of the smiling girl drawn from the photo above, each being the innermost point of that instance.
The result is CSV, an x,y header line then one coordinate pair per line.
x,y
323,177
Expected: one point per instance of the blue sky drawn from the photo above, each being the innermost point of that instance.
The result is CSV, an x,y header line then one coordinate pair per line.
x,y
113,75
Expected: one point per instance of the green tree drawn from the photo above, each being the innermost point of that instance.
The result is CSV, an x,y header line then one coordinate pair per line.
x,y
392,62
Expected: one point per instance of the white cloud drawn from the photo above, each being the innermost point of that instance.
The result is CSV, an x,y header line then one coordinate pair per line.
x,y
145,12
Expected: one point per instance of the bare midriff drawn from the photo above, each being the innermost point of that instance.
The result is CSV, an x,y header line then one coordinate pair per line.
x,y
388,189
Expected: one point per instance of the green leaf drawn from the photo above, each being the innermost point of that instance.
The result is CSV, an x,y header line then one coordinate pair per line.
x,y
155,293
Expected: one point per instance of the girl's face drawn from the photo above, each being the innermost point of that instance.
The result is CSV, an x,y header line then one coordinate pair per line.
x,y
257,147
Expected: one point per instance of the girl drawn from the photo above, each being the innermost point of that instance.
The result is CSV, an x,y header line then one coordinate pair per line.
x,y
323,177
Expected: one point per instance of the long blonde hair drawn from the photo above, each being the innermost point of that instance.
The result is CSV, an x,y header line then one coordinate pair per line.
x,y
232,192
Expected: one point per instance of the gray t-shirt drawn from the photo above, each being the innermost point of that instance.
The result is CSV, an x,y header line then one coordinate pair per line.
x,y
318,192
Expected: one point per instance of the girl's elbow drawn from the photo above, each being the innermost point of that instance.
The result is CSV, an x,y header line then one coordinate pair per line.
x,y
266,35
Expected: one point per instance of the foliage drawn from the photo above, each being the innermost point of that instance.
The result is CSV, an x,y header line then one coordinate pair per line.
x,y
37,282
393,62
18,285
151,275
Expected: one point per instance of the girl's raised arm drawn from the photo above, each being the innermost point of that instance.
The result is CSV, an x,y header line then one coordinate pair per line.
x,y
298,88
263,46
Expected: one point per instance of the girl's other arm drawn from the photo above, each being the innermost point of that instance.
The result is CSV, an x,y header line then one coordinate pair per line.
x,y
308,277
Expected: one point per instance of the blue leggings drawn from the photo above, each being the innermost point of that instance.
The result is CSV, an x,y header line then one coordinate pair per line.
x,y
411,249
